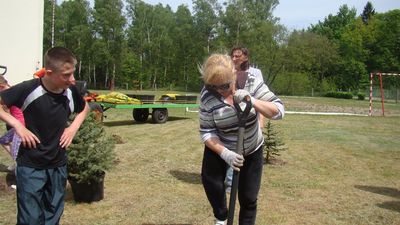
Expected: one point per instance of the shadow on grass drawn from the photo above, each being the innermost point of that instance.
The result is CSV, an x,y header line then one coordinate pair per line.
x,y
392,192
11,179
391,205
132,122
119,123
192,178
175,118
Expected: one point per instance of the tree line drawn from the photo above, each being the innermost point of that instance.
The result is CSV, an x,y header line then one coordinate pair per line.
x,y
137,45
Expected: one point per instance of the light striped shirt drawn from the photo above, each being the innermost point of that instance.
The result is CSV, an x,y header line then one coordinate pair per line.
x,y
219,119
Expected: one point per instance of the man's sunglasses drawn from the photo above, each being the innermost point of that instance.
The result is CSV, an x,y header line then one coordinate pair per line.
x,y
222,87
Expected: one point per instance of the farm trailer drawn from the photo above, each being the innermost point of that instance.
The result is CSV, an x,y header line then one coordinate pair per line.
x,y
141,112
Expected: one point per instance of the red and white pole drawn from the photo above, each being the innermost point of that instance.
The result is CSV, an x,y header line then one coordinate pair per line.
x,y
381,90
382,94
371,76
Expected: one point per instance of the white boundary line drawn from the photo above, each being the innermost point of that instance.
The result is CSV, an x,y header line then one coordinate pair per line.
x,y
325,113
306,113
192,111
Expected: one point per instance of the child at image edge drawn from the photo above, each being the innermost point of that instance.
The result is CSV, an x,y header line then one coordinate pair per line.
x,y
46,104
10,140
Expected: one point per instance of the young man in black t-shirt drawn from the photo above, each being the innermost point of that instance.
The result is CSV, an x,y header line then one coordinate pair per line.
x,y
47,104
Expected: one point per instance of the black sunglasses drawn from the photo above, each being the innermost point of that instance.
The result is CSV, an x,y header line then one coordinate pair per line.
x,y
222,87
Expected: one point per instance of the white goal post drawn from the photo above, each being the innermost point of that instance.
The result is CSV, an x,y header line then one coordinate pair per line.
x,y
379,74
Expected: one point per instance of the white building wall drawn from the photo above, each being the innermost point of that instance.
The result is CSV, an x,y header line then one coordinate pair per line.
x,y
21,38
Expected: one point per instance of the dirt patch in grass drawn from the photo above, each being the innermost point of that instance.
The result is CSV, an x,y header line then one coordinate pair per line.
x,y
118,139
275,162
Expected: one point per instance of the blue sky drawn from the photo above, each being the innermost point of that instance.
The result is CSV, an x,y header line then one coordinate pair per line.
x,y
299,14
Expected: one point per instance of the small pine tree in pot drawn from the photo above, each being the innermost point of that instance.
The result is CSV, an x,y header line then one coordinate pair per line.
x,y
90,155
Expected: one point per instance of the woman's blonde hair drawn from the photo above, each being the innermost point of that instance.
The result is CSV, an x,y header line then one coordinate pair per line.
x,y
218,69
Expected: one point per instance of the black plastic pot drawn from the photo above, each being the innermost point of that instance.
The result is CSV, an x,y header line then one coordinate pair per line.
x,y
85,192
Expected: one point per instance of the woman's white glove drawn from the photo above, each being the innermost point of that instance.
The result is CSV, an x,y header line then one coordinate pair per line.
x,y
240,95
232,159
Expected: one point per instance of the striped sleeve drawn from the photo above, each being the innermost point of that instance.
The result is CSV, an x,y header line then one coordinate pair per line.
x,y
207,125
262,92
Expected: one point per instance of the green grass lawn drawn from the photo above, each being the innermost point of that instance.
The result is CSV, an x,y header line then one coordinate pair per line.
x,y
336,170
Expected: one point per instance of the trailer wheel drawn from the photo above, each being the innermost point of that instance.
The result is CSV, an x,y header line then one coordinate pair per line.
x,y
98,111
140,115
159,115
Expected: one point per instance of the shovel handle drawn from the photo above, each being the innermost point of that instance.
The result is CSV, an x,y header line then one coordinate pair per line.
x,y
232,198
242,116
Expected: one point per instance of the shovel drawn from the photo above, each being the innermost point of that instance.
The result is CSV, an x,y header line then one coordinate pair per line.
x,y
242,116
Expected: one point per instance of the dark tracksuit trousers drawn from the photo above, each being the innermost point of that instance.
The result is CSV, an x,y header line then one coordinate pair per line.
x,y
213,176
40,195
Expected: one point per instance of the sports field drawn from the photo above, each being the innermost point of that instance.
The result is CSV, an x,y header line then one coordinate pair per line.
x,y
336,170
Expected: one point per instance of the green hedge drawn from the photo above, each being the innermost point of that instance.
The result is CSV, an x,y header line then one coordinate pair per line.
x,y
338,94
360,96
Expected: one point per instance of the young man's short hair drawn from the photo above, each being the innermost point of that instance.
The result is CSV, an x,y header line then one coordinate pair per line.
x,y
57,56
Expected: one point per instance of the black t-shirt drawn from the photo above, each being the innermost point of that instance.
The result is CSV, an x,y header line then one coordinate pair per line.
x,y
46,115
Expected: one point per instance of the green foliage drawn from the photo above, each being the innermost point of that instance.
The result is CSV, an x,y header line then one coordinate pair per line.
x,y
339,94
312,54
91,152
360,96
273,144
326,85
160,48
368,12
292,83
385,46
333,25
350,74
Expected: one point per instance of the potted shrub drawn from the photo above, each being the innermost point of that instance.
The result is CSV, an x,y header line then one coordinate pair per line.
x,y
90,155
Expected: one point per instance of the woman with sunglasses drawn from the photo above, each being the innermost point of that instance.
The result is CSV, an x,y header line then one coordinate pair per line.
x,y
218,131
